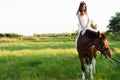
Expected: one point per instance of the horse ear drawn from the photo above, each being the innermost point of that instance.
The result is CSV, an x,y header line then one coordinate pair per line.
x,y
104,35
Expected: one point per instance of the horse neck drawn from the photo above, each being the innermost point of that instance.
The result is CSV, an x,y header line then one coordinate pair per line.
x,y
91,42
96,42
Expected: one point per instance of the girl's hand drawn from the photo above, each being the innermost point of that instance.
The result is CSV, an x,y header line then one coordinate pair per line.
x,y
86,26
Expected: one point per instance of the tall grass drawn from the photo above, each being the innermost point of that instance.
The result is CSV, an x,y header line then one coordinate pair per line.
x,y
51,59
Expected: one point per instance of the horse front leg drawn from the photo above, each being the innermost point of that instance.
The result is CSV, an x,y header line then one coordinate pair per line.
x,y
87,62
94,52
91,72
93,64
82,67
91,68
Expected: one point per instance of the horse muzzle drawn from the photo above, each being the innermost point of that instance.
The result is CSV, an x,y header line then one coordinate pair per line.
x,y
109,53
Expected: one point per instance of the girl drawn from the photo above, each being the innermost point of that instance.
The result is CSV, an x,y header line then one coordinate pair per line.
x,y
84,21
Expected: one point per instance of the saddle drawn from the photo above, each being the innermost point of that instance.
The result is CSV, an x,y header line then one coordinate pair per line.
x,y
91,34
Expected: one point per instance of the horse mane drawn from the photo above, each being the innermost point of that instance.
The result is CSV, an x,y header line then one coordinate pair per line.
x,y
101,36
95,36
92,34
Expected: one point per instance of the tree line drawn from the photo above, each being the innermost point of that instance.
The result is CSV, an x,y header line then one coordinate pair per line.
x,y
10,35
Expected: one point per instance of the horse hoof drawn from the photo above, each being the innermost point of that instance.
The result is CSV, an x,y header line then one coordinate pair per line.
x,y
91,78
83,78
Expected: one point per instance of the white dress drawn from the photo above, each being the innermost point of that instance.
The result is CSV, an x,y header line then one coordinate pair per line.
x,y
84,20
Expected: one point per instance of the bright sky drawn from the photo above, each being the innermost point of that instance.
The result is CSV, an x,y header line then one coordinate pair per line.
x,y
52,16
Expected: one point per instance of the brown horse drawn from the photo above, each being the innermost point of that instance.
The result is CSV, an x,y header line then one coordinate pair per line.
x,y
87,46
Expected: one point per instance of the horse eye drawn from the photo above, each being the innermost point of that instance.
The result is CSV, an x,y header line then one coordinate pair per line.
x,y
103,43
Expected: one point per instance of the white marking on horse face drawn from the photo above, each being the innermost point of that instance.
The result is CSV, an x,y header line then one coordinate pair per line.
x,y
106,43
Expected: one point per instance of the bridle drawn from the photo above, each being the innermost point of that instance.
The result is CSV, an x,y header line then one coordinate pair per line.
x,y
99,46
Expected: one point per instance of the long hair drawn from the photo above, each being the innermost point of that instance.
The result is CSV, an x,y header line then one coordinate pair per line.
x,y
80,8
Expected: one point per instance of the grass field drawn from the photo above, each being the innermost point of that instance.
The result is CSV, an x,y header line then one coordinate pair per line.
x,y
51,59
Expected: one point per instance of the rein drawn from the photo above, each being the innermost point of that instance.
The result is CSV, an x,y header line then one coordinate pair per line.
x,y
115,60
112,59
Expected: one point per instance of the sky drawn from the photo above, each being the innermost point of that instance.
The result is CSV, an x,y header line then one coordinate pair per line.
x,y
28,17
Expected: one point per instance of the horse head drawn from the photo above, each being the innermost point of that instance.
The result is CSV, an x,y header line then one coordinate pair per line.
x,y
101,44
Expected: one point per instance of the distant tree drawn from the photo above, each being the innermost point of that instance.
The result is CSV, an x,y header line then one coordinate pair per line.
x,y
114,23
94,26
2,35
76,32
12,35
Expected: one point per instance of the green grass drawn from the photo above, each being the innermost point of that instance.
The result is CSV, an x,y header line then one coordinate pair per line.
x,y
51,59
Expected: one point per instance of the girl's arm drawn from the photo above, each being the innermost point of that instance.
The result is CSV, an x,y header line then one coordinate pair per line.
x,y
88,22
80,20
